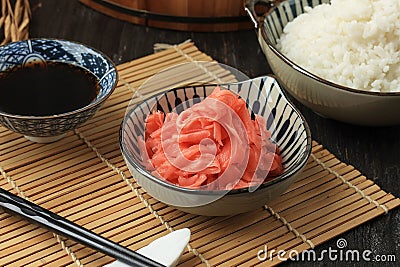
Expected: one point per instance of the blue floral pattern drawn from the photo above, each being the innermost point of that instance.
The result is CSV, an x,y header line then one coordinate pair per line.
x,y
55,50
52,50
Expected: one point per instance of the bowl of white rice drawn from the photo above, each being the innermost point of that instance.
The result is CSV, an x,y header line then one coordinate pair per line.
x,y
339,58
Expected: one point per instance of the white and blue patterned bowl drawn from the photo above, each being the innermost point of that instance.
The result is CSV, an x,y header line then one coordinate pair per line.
x,y
264,97
324,97
51,128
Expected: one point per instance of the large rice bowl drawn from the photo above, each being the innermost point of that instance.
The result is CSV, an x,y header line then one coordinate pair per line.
x,y
353,43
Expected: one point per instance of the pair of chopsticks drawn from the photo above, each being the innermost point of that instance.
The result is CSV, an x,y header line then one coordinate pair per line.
x,y
59,225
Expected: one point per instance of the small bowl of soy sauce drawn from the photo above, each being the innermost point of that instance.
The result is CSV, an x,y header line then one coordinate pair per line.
x,y
49,86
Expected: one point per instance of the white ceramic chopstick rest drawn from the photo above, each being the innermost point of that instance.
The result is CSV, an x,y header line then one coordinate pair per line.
x,y
166,250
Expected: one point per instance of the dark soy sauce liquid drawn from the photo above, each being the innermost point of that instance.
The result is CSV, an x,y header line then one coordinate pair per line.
x,y
46,89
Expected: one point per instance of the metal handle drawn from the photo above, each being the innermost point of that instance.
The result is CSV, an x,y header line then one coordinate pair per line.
x,y
249,7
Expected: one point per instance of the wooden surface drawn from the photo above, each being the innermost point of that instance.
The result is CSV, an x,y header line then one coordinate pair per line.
x,y
220,15
373,151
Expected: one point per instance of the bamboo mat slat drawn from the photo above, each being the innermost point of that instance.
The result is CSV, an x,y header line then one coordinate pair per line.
x,y
84,178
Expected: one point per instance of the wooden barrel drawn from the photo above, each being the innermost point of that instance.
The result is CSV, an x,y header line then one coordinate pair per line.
x,y
184,15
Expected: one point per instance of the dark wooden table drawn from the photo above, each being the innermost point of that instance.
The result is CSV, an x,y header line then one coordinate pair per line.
x,y
373,151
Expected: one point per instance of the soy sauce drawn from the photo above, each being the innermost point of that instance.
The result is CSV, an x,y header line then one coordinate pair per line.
x,y
46,89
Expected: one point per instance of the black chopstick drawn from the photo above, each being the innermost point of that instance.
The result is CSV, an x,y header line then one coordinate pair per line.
x,y
59,225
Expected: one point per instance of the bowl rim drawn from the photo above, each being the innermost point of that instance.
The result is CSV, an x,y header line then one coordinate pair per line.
x,y
89,106
300,164
302,70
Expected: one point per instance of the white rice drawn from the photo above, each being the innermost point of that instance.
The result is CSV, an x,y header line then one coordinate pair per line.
x,y
354,43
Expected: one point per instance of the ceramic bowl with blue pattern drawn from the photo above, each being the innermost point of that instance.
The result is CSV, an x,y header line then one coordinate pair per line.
x,y
328,99
44,129
264,97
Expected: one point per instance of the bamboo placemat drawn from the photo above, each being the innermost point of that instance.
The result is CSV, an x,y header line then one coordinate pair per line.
x,y
83,178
